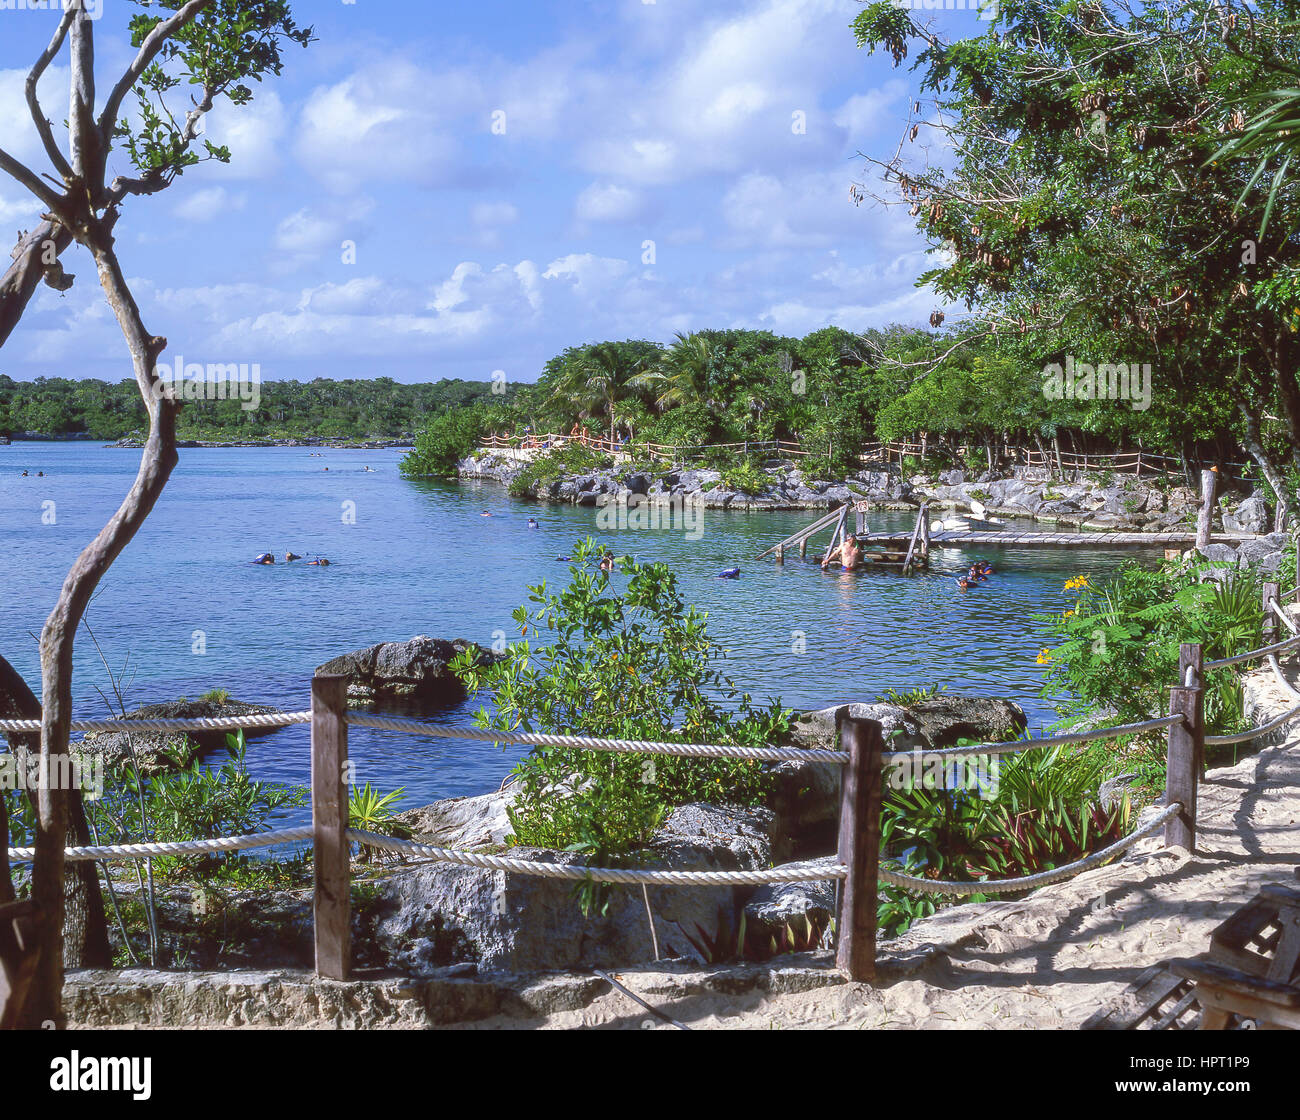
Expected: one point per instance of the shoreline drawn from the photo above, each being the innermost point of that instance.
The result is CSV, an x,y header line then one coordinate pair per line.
x,y
1102,503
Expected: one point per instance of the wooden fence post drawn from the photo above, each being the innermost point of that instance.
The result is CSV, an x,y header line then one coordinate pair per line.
x,y
1269,628
1186,754
1205,519
331,904
861,793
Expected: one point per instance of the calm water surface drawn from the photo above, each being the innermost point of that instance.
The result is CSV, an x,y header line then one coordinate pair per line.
x,y
421,559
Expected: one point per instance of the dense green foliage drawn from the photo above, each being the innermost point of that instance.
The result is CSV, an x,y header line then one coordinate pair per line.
x,y
631,663
325,409
1090,213
1040,812
1116,645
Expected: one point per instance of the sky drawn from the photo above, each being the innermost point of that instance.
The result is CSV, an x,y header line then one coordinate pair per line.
x,y
450,190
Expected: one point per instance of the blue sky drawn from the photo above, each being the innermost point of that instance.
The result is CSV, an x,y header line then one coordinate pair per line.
x,y
625,122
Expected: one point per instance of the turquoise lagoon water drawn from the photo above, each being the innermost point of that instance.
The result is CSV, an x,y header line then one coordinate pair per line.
x,y
418,557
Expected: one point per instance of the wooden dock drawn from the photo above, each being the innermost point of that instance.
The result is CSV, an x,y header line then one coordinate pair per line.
x,y
995,538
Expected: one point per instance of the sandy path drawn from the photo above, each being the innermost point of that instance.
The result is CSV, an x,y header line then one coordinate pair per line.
x,y
1047,961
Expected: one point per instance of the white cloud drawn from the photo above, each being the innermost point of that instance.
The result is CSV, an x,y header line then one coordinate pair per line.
x,y
254,133
864,113
18,134
608,202
209,203
386,123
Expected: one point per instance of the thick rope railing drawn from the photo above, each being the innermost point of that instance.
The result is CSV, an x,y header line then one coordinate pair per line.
x,y
1030,882
596,743
1016,746
174,847
787,873
1254,732
1287,620
224,723
1237,659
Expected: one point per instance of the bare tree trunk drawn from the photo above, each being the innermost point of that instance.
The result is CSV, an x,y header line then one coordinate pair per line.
x,y
1255,448
156,464
85,926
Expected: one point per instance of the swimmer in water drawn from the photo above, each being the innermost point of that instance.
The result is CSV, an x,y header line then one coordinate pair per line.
x,y
607,562
290,556
532,523
319,563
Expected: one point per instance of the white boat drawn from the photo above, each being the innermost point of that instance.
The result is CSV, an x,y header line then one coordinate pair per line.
x,y
949,525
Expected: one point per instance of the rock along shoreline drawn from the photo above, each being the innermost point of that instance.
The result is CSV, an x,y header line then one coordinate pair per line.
x,y
1101,502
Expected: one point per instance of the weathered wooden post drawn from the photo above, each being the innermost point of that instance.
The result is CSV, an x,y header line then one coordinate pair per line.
x,y
1191,660
331,903
1268,629
861,793
1205,519
1186,752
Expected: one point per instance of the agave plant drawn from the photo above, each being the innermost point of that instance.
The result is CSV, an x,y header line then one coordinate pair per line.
x,y
370,811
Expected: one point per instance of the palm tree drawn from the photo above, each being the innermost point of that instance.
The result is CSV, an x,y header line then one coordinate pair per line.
x,y
597,382
683,374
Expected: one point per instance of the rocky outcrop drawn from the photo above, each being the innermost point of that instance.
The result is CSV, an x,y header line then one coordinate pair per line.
x,y
160,751
435,915
807,794
1264,552
1101,502
412,674
296,998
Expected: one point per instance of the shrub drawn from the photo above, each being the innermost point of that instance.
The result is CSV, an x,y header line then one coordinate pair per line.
x,y
745,477
572,458
1041,813
1117,644
443,442
636,664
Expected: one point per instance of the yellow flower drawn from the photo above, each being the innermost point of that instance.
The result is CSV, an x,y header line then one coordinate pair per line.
x,y
1045,657
1068,613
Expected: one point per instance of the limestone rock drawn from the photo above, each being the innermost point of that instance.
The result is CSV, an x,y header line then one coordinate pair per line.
x,y
413,673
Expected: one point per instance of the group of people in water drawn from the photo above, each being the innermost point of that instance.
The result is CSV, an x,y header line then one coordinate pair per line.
x,y
289,557
848,555
979,572
39,474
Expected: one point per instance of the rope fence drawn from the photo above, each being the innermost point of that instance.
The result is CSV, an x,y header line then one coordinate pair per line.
x,y
858,866
224,723
173,847
1041,878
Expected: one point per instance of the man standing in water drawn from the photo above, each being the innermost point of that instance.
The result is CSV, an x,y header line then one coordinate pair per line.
x,y
849,554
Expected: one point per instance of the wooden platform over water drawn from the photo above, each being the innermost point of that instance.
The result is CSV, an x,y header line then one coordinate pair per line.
x,y
1016,538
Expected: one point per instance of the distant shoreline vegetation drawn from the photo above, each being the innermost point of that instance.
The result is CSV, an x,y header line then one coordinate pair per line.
x,y
58,408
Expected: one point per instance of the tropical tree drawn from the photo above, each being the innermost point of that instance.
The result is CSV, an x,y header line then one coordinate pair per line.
x,y
684,373
215,47
1085,217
